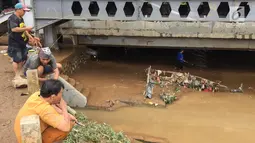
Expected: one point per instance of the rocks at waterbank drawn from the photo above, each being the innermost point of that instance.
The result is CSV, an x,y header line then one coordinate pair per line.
x,y
91,52
73,62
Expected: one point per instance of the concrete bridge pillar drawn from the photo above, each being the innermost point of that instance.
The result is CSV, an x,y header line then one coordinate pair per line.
x,y
74,40
50,37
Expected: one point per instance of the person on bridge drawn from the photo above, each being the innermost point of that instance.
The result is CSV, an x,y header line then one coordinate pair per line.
x,y
49,105
18,37
180,61
44,62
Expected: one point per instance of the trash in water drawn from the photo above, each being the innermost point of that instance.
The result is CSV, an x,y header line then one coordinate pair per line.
x,y
149,89
239,90
171,82
91,52
186,80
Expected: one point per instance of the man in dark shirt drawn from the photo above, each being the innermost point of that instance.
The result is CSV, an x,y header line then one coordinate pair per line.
x,y
44,62
18,38
180,60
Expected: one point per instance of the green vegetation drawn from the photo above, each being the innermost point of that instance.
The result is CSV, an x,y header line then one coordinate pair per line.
x,y
167,98
93,132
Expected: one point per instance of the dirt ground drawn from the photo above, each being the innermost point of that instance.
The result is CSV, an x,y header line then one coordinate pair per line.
x,y
10,102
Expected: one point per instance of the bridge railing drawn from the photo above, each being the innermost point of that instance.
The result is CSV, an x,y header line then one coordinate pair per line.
x,y
198,10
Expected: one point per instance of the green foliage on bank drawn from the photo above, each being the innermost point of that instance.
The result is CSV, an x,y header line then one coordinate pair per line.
x,y
93,132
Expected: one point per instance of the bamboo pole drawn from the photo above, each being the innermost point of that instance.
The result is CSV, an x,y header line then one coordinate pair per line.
x,y
148,74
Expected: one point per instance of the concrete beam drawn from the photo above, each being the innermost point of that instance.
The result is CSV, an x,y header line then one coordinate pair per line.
x,y
167,42
223,30
74,40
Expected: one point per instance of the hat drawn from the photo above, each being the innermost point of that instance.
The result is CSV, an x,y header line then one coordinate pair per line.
x,y
45,53
21,6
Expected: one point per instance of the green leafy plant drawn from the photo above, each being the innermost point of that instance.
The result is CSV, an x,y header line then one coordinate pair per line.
x,y
168,99
93,132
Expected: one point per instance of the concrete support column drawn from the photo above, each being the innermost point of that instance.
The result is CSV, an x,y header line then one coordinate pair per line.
x,y
50,37
74,40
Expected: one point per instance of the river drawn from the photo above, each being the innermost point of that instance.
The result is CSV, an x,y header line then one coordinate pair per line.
x,y
198,117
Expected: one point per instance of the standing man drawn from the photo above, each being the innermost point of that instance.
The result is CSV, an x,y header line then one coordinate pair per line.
x,y
44,62
18,38
49,105
180,61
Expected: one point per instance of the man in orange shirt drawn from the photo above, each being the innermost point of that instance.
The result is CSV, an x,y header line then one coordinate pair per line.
x,y
49,105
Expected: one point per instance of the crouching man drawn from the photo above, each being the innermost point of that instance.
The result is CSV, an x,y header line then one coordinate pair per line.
x,y
44,62
49,105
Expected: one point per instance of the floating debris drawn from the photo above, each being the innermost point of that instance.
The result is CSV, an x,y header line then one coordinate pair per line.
x,y
170,79
239,90
186,80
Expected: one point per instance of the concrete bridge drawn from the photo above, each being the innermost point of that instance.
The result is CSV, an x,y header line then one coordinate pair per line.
x,y
195,23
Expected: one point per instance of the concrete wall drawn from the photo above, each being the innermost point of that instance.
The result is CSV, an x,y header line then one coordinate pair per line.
x,y
159,42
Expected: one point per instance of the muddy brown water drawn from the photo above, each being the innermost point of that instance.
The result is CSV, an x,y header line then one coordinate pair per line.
x,y
198,117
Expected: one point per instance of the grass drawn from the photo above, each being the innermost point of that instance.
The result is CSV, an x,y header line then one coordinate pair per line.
x,y
94,132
